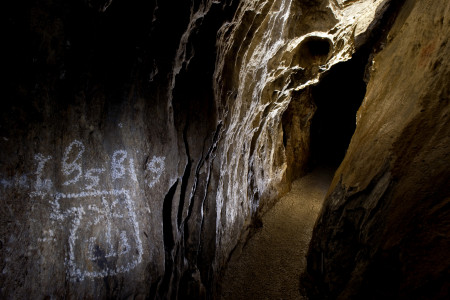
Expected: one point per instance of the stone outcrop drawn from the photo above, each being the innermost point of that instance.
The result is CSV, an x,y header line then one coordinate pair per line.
x,y
142,140
383,232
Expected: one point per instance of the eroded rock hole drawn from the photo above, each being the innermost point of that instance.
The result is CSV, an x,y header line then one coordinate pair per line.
x,y
312,51
316,46
337,97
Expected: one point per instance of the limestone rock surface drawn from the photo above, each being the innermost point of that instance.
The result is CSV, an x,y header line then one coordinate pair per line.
x,y
142,140
107,127
270,55
384,232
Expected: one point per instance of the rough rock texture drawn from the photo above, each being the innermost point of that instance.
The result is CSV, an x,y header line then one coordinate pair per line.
x,y
141,140
270,56
107,127
384,230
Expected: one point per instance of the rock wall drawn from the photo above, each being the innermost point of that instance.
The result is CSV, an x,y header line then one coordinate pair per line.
x,y
270,56
141,140
107,128
383,232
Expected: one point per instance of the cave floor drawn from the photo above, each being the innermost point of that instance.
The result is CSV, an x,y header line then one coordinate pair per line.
x,y
271,262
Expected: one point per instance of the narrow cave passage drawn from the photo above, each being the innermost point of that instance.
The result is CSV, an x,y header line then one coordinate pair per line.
x,y
337,97
272,260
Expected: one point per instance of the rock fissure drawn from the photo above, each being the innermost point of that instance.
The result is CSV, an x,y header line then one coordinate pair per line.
x,y
169,241
184,182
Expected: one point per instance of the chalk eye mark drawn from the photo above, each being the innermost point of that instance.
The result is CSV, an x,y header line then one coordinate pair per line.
x,y
99,257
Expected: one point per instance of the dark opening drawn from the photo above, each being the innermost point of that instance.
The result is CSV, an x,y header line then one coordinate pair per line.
x,y
338,97
317,46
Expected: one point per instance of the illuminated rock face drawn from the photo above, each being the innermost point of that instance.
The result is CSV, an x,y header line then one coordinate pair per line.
x,y
383,231
141,140
269,58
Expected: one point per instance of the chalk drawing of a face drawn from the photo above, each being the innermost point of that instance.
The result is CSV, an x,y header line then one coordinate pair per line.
x,y
104,237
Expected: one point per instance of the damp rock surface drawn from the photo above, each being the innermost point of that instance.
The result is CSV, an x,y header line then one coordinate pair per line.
x,y
270,262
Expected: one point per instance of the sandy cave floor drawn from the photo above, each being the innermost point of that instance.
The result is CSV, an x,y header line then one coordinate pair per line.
x,y
270,264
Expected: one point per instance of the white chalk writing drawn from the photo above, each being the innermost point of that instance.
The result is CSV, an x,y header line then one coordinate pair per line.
x,y
117,167
101,208
41,187
48,236
132,172
94,180
74,166
18,181
103,234
155,166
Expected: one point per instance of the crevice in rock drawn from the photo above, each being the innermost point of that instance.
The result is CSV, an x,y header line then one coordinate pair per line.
x,y
184,182
198,273
167,219
154,288
197,178
168,239
185,179
207,246
201,163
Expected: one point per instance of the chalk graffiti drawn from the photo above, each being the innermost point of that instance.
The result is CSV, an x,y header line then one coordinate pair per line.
x,y
18,181
41,186
47,236
132,172
74,166
155,166
117,167
117,242
103,232
94,180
